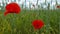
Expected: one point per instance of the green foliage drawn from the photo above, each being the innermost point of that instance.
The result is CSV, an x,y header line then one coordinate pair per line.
x,y
22,23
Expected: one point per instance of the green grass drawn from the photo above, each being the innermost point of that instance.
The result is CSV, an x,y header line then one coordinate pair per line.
x,y
22,23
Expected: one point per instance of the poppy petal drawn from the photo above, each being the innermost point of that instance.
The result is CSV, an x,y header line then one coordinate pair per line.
x,y
38,24
12,8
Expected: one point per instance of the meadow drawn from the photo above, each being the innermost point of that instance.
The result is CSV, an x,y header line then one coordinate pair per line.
x,y
22,23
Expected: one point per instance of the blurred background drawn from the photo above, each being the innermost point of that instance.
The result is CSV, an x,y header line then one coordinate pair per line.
x,y
31,4
21,23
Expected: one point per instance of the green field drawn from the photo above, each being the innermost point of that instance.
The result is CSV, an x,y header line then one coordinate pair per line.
x,y
22,23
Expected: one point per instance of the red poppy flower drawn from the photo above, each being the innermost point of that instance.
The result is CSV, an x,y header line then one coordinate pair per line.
x,y
38,24
58,6
12,8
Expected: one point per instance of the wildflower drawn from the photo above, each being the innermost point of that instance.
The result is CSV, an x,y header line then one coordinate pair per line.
x,y
37,24
12,8
58,6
